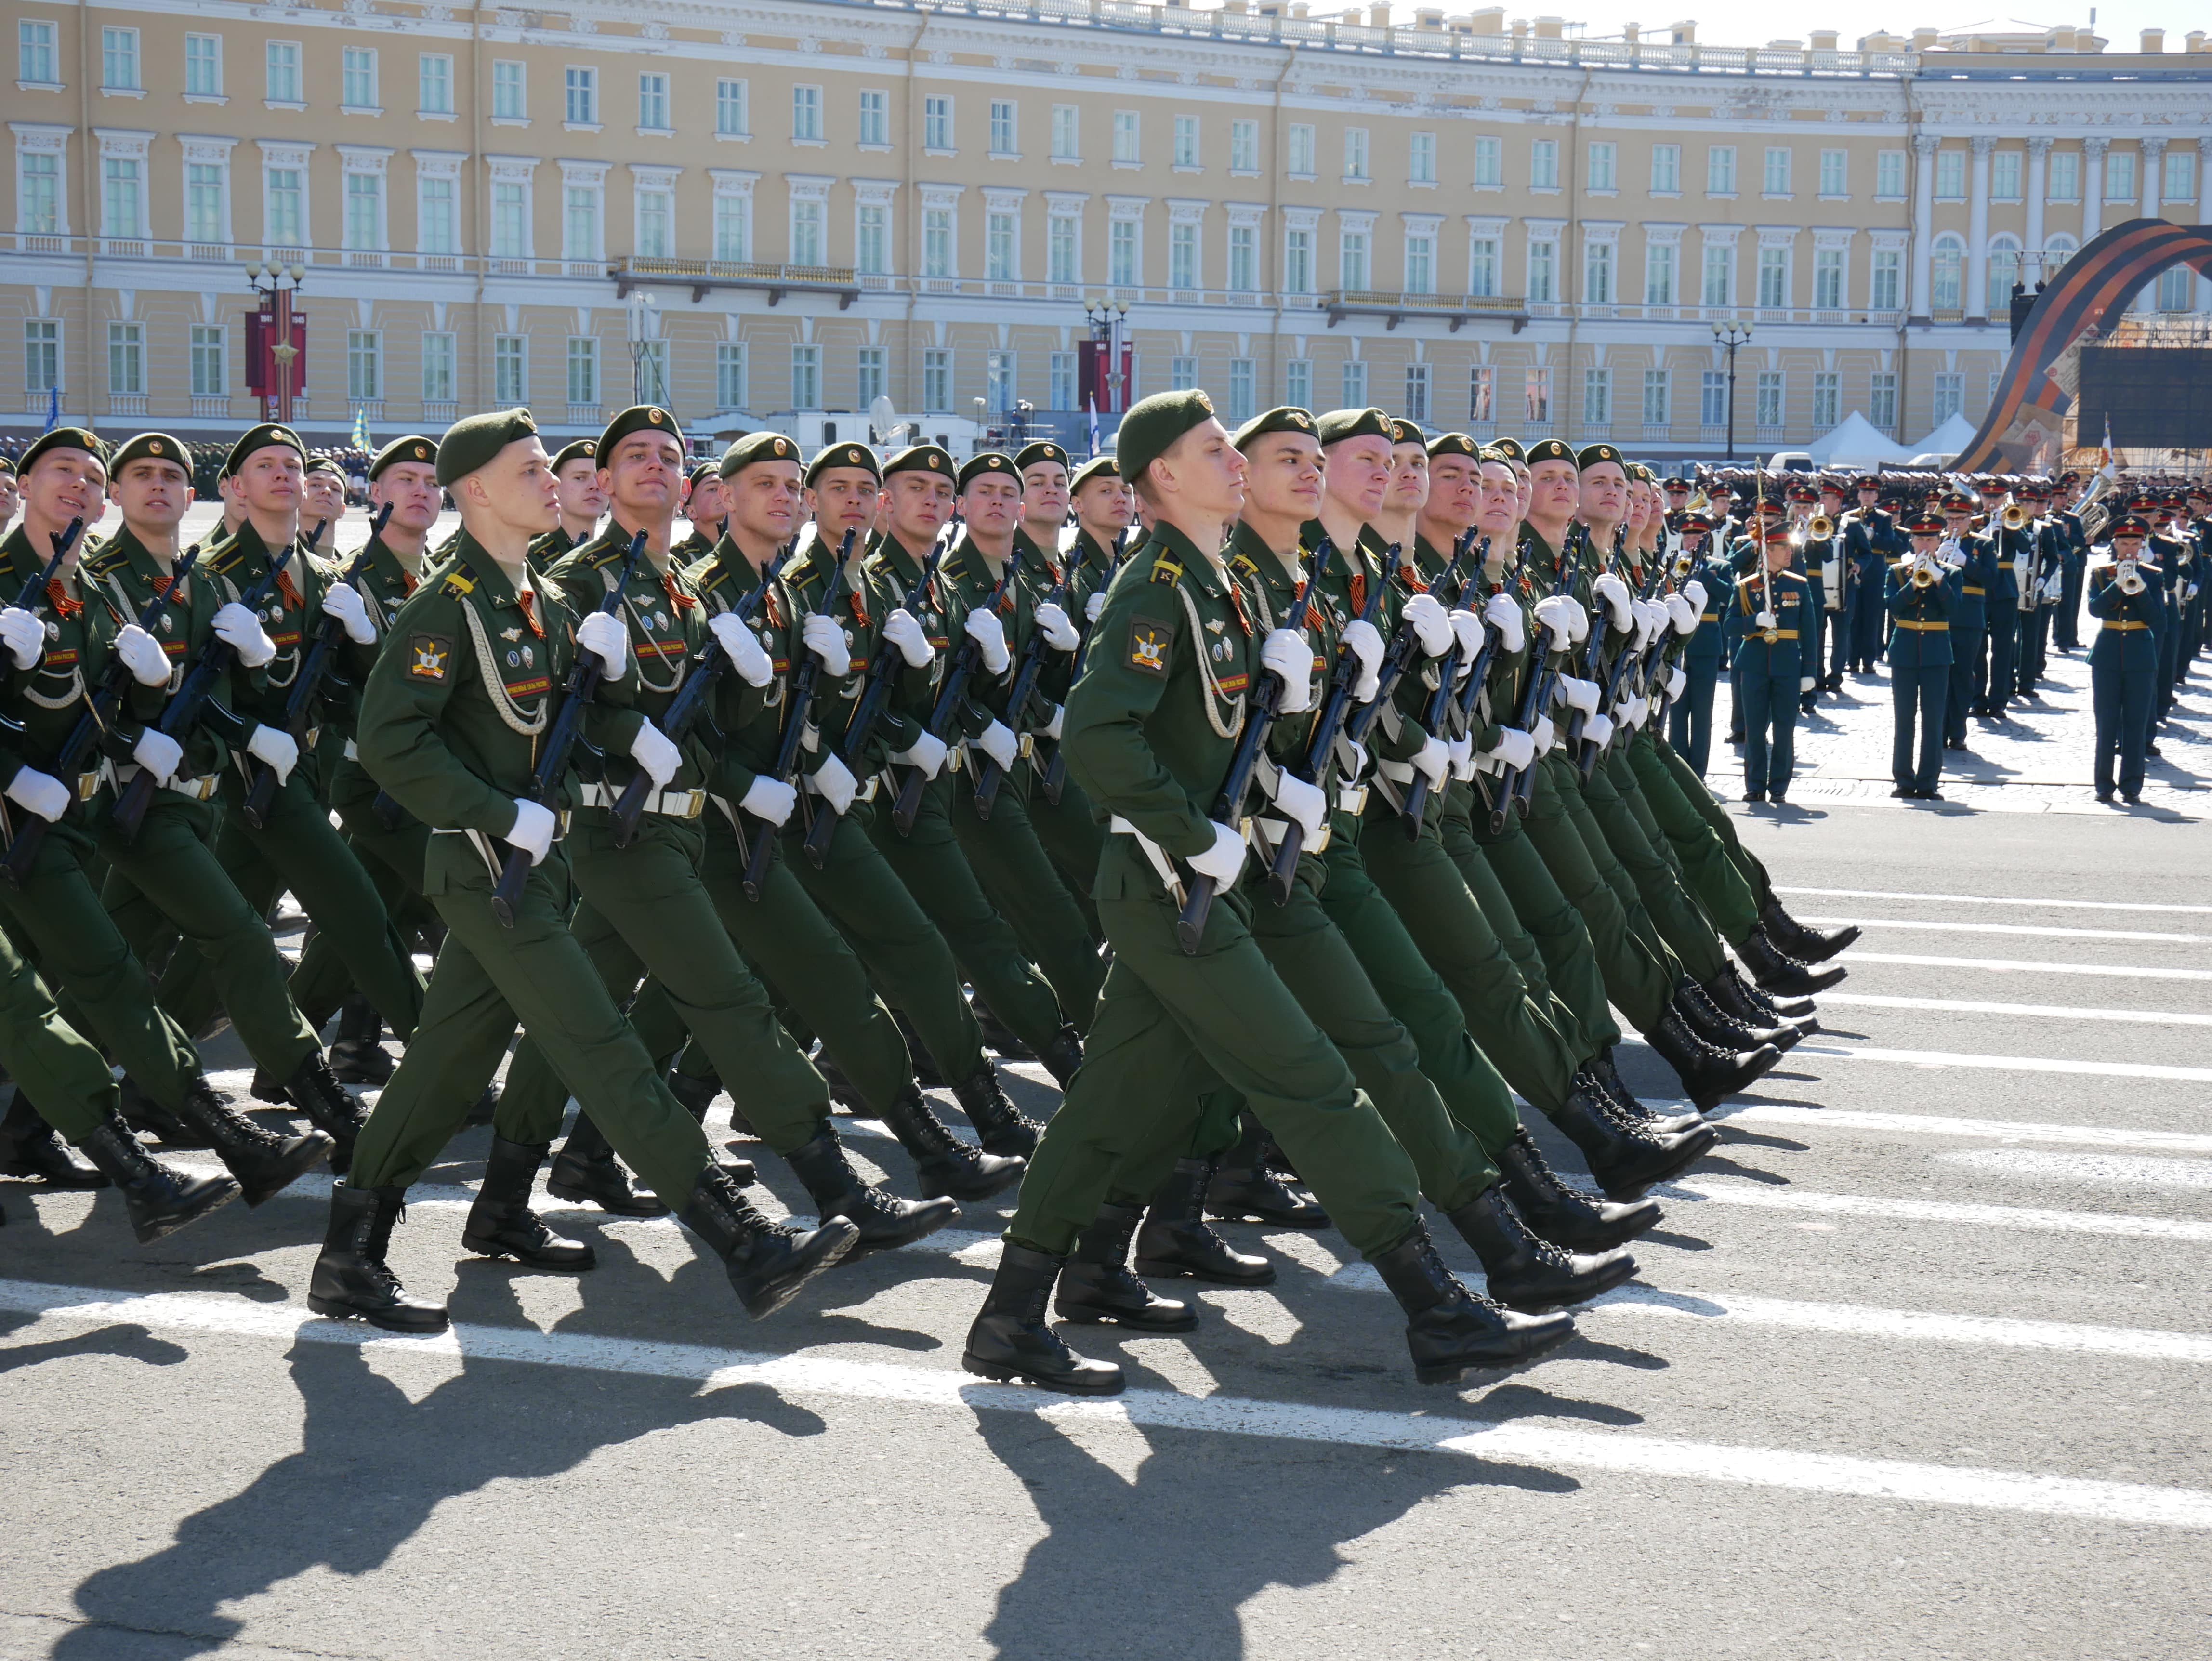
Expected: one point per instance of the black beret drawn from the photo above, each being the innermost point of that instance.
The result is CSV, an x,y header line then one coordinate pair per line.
x,y
639,418
261,437
577,449
1552,449
1043,450
1339,425
65,438
991,461
1285,418
756,448
413,447
848,454
1454,444
151,446
1153,424
1102,466
1511,448
473,441
922,458
1592,455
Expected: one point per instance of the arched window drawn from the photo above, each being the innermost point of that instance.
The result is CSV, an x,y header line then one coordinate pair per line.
x,y
2056,252
2003,273
1950,258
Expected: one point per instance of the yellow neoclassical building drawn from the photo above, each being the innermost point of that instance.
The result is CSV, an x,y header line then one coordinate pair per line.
x,y
775,214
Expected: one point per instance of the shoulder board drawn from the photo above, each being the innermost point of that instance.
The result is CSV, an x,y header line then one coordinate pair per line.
x,y
1244,564
109,557
459,581
597,554
803,579
224,560
707,576
1166,567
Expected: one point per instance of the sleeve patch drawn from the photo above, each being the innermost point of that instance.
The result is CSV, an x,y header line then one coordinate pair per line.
x,y
429,657
1150,642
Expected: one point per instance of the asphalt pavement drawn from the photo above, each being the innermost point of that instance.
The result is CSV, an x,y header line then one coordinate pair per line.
x,y
1917,1365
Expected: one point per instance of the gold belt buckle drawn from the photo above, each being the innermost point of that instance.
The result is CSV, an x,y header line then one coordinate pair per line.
x,y
697,805
88,785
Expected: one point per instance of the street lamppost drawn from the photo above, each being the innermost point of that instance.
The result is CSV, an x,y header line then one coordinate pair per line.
x,y
1731,335
647,385
275,285
1109,320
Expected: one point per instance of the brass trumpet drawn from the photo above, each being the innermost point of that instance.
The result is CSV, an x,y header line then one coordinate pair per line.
x,y
2016,517
1819,528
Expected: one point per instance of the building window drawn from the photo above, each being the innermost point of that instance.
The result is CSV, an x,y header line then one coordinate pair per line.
x,y
126,360
730,117
2120,176
1481,388
2064,183
1421,159
1297,262
1243,258
1299,159
1776,179
1597,397
1827,395
1950,176
1769,408
1597,274
999,381
1125,137
364,210
1659,274
2004,176
1416,406
1002,127
653,102
1881,400
1001,245
510,221
807,114
1719,280
1352,260
1066,133
203,202
2176,289
580,107
584,370
937,379
1060,390
439,359
1240,389
730,374
1544,165
1720,170
1482,266
1186,141
872,240
1713,398
434,221
1889,175
1536,394
284,210
806,233
357,78
2003,273
36,60
1121,254
1601,166
1298,383
1182,256
875,117
1886,292
281,58
2179,184
806,377
580,223
733,228
120,197
1063,248
37,193
870,376
1950,394
211,361
1828,280
1420,264
1773,278
1244,147
510,382
203,66
937,124
937,242
1666,169
1355,153
1948,260
1658,388
364,365
119,60
656,215
1489,164
1543,271
510,99
435,84
1352,385
1833,164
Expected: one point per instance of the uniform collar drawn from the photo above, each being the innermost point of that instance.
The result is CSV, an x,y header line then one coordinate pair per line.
x,y
490,580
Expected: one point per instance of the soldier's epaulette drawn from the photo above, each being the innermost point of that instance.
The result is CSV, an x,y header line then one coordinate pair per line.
x,y
459,581
221,560
109,558
802,578
1243,562
1166,567
715,574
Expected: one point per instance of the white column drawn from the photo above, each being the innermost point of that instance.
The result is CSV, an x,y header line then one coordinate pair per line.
x,y
1924,221
2154,158
2038,151
2092,188
1977,227
2205,213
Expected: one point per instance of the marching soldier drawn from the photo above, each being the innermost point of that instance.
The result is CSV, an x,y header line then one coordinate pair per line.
x,y
706,508
2124,595
1690,719
1774,604
1923,595
1976,564
1871,541
583,501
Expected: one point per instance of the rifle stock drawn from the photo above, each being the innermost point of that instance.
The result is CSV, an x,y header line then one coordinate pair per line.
x,y
804,685
964,665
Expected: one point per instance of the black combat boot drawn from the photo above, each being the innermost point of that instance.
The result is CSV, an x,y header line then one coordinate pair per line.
x,y
1009,1339
767,1262
1723,1031
943,1164
1002,1128
1525,1270
263,1162
358,1054
485,1108
587,1172
329,1108
1733,994
1566,1215
1246,1190
1097,1286
149,1118
29,1148
158,1199
351,1276
998,1037
501,1223
885,1220
1708,1074
1177,1239
1625,1155
696,1095
1449,1329
1602,1077
1806,944
1778,971
1776,1006
1063,1056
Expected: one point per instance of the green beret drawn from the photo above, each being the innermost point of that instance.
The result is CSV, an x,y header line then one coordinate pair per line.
x,y
577,449
6,464
705,469
1404,432
261,438
1495,452
1096,467
922,458
1509,449
151,446
1454,444
414,448
473,441
639,418
324,462
65,438
1339,425
991,461
759,447
1153,424
1592,455
1551,449
1043,450
1284,418
846,455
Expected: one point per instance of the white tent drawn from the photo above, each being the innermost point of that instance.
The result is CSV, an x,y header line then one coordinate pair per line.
x,y
1856,442
1949,439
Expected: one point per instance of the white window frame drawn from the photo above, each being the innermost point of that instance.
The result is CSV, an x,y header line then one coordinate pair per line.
x,y
579,98
1067,133
208,360
283,78
48,144
733,107
37,55
583,185
871,126
357,162
126,358
360,73
806,375
730,226
510,370
730,375
655,96
121,68
1355,156
437,167
581,359
806,126
440,366
434,79
364,362
1005,130
517,173
653,186
122,220
938,135
214,153
1488,163
1666,170
510,76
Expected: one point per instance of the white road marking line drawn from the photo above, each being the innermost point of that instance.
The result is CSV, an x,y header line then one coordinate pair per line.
x,y
2000,1063
840,1379
1930,1124
1945,928
2033,1011
2019,966
2109,1170
1760,1196
1992,899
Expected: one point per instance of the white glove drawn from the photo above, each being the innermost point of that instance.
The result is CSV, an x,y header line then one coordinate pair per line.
x,y
1544,735
274,745
1515,749
1612,592
143,656
1467,629
1676,680
1351,761
903,630
1365,640
1694,592
984,628
240,630
1287,655
25,637
1807,684
1051,728
834,782
1651,617
1305,804
342,601
532,831
1764,620
1059,633
823,637
1094,606
997,742
1462,757
1598,729
1635,711
1580,617
926,752
652,750
1224,860
42,793
742,649
1504,616
1682,614
769,799
158,753
1578,693
1432,625
1556,614
602,634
